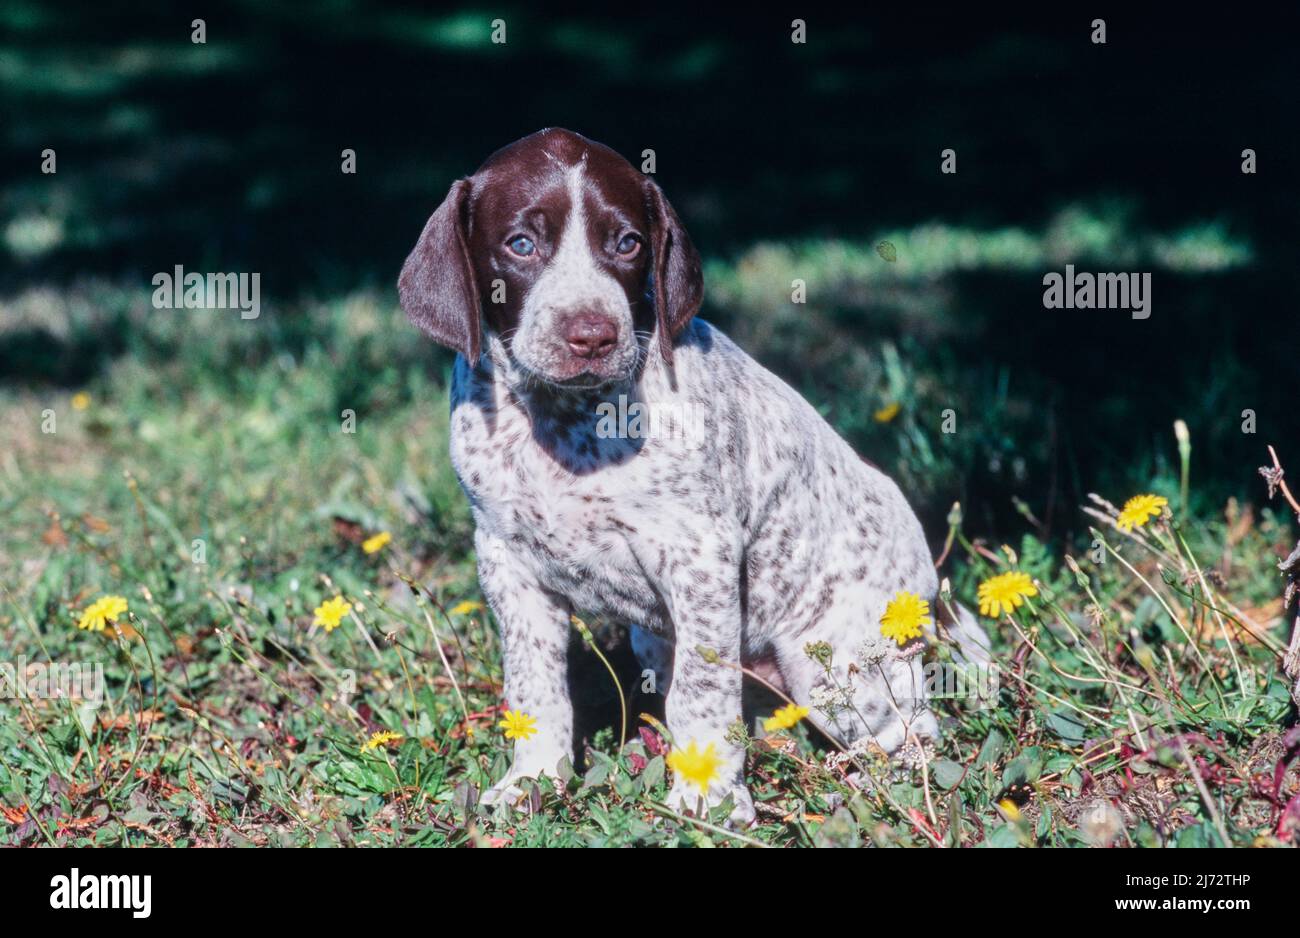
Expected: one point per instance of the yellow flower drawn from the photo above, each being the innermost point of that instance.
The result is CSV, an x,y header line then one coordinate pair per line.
x,y
888,412
102,611
1005,592
518,725
380,739
904,616
378,542
330,613
695,765
1140,509
466,607
784,718
80,400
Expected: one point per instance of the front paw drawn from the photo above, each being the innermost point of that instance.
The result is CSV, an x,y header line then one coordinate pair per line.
x,y
508,791
686,797
511,789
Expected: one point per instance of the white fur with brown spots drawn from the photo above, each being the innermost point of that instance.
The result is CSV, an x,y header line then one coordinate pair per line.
x,y
753,539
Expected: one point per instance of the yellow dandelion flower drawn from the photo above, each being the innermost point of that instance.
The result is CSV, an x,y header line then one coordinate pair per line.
x,y
697,766
330,613
466,607
1140,509
101,612
80,400
382,738
888,412
518,725
376,543
904,617
784,718
1005,592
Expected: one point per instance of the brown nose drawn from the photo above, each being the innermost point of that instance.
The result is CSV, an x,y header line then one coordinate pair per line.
x,y
590,335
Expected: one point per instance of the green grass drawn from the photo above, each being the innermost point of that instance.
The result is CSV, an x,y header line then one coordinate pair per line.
x,y
229,719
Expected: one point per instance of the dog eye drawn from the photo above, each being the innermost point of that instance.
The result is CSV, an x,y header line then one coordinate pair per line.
x,y
521,245
629,245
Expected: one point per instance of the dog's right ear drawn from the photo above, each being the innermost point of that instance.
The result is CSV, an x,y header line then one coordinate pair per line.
x,y
437,286
678,282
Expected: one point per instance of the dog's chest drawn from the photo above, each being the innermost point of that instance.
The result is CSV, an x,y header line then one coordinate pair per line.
x,y
573,507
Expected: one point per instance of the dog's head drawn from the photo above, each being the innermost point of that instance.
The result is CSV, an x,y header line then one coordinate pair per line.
x,y
565,252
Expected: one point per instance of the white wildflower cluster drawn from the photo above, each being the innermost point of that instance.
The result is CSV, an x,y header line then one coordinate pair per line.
x,y
862,747
874,650
831,700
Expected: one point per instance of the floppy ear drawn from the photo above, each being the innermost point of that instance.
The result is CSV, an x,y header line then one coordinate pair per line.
x,y
679,283
437,286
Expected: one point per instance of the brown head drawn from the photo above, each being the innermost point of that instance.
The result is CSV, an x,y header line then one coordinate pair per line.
x,y
562,249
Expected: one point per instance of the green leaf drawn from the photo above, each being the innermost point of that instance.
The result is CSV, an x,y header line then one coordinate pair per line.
x,y
722,811
947,774
596,775
1003,837
653,773
1044,823
1069,728
66,736
1198,835
994,745
1146,836
626,786
840,830
85,716
1025,768
601,817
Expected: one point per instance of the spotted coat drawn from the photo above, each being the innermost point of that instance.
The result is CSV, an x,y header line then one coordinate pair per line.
x,y
735,521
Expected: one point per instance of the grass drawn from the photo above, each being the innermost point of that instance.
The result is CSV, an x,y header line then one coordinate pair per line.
x,y
208,476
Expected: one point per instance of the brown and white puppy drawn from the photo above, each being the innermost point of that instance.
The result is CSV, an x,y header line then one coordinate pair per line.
x,y
732,522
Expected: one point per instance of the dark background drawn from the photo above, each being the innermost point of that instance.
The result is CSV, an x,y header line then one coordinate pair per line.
x,y
226,157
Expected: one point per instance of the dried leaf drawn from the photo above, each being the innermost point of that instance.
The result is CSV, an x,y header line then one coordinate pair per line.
x,y
348,530
54,536
96,524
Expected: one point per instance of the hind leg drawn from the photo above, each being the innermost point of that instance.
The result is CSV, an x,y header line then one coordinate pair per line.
x,y
878,697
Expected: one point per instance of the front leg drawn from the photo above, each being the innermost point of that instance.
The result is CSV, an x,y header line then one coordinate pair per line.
x,y
705,695
534,626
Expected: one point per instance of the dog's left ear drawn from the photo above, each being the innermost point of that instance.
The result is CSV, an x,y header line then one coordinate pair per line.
x,y
678,280
437,286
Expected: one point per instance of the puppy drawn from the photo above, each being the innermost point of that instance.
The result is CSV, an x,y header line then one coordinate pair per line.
x,y
728,523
